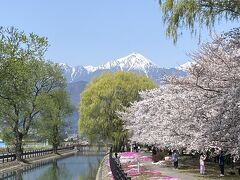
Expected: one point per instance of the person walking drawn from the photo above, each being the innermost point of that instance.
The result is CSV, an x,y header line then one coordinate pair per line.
x,y
221,163
154,154
117,159
175,159
202,163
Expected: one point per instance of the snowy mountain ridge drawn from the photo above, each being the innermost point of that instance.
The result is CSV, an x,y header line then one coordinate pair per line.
x,y
134,62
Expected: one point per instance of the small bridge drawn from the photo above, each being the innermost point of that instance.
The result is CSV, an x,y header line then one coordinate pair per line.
x,y
91,148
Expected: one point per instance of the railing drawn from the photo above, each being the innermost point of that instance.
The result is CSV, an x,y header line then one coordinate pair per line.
x,y
7,157
12,175
117,172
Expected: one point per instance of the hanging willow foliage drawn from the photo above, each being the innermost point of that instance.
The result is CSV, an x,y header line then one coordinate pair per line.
x,y
196,14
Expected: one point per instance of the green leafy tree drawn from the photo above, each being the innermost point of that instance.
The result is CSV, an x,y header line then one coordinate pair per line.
x,y
102,98
55,108
194,14
24,78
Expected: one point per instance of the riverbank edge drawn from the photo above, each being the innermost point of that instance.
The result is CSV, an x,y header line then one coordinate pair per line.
x,y
103,169
17,165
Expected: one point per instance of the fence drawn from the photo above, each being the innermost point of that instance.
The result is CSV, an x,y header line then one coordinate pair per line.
x,y
28,154
18,173
117,172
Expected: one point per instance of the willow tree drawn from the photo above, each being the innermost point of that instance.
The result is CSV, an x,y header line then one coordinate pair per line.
x,y
24,78
102,98
195,14
55,107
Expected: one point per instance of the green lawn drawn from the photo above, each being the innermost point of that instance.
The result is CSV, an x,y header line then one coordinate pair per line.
x,y
189,164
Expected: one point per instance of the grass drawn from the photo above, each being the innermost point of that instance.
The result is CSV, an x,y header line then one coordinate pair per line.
x,y
189,164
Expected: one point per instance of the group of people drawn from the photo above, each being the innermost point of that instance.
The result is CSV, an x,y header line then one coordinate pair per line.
x,y
175,158
202,159
135,147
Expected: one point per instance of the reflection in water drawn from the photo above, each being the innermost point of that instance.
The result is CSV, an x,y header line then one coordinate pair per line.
x,y
74,167
92,171
55,172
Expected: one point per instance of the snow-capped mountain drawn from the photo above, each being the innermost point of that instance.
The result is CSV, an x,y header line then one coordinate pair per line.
x,y
133,62
73,73
185,66
78,77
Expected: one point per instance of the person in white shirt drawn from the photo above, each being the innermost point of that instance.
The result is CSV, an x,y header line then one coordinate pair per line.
x,y
202,165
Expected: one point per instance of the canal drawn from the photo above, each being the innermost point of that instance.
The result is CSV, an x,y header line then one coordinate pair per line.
x,y
77,166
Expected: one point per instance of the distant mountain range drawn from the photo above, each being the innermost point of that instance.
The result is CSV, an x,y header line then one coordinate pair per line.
x,y
78,76
134,62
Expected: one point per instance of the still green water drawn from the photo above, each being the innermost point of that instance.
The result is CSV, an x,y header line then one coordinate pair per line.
x,y
74,167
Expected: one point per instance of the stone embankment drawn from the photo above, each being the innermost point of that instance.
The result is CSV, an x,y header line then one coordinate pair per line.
x,y
104,171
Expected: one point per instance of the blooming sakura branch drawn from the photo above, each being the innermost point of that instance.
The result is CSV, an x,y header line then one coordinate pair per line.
x,y
199,111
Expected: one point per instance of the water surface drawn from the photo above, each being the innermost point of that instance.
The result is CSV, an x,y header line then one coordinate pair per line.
x,y
77,166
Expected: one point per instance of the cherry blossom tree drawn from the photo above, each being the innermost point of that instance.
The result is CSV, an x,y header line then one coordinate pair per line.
x,y
199,111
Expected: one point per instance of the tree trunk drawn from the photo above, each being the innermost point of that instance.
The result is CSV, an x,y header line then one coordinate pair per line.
x,y
55,140
55,147
18,147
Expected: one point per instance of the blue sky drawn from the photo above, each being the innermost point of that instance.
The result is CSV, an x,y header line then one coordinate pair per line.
x,y
83,32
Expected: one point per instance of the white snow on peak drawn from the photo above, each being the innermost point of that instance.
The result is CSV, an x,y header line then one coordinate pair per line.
x,y
70,71
185,66
73,72
90,68
65,67
133,61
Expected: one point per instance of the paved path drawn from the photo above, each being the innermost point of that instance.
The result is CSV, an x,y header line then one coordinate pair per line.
x,y
157,171
149,170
